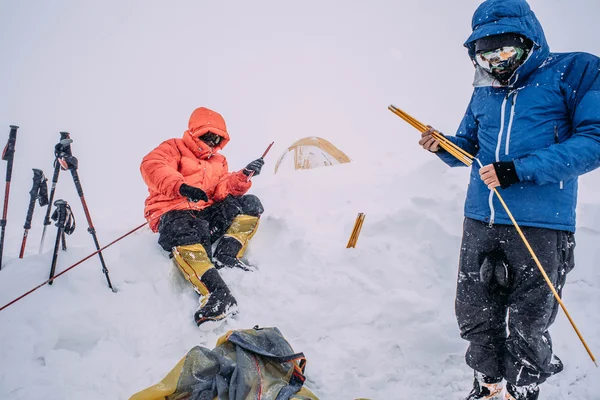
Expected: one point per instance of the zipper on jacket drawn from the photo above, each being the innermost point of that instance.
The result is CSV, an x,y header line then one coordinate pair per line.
x,y
510,122
491,197
502,113
561,183
492,211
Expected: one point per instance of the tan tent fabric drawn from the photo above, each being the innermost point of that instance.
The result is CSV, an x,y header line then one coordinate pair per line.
x,y
312,152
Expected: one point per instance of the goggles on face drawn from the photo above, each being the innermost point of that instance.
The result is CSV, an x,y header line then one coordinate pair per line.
x,y
499,59
210,138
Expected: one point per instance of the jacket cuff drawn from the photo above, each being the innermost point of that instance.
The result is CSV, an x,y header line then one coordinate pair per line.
x,y
177,187
239,184
506,173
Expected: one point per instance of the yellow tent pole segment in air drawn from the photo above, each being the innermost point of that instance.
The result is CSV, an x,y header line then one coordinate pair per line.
x,y
468,159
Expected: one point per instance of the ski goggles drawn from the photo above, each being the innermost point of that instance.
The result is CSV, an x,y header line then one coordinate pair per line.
x,y
210,138
499,59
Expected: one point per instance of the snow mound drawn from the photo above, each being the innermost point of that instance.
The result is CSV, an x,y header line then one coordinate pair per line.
x,y
376,321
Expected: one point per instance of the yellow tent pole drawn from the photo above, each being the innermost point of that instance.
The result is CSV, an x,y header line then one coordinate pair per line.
x,y
546,278
356,231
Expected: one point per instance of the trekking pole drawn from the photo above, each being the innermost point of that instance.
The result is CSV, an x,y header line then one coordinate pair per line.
x,y
8,155
39,191
263,156
468,159
66,225
65,141
67,161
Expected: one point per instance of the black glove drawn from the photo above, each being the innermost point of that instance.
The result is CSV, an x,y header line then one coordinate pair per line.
x,y
254,167
192,193
506,173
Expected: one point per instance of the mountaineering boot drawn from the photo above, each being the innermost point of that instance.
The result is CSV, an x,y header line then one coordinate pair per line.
x,y
529,392
486,387
217,301
233,244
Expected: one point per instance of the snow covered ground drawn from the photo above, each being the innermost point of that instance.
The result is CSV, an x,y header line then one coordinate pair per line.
x,y
376,321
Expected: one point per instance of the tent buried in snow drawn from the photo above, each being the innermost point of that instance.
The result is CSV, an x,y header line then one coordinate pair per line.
x,y
313,152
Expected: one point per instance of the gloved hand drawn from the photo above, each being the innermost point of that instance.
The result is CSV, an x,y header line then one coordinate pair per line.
x,y
192,193
506,173
502,173
254,167
428,142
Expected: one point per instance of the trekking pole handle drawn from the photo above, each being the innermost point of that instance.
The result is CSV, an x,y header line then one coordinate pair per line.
x,y
34,193
9,151
64,145
61,213
65,136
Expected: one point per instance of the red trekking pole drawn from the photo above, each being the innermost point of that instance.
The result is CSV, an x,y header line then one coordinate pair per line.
x,y
38,192
68,162
8,156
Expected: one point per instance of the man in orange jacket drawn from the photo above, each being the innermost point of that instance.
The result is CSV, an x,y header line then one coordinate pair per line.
x,y
194,201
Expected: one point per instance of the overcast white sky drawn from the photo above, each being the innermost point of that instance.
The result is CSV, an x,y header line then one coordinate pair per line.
x,y
124,75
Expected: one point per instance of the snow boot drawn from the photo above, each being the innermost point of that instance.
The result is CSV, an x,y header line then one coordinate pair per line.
x,y
529,392
232,245
217,301
486,387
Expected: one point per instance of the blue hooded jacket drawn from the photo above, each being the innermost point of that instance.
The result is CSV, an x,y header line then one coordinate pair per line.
x,y
546,120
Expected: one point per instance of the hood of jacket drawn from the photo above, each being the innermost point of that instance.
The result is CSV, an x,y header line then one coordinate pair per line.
x,y
494,17
204,120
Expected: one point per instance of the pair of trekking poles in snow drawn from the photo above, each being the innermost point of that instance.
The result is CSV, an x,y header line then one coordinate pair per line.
x,y
65,220
468,159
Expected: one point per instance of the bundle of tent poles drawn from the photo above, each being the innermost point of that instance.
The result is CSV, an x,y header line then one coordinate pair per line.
x,y
468,159
360,219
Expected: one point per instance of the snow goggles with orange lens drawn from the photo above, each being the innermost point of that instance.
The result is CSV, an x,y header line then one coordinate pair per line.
x,y
499,59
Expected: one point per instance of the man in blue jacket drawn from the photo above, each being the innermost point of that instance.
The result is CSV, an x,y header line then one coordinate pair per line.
x,y
534,124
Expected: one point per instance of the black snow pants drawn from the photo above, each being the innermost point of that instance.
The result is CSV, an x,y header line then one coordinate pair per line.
x,y
504,306
185,227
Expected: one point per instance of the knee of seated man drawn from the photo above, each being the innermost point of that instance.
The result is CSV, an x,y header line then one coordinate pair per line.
x,y
251,205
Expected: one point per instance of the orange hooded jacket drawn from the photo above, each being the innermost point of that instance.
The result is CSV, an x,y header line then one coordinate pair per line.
x,y
191,161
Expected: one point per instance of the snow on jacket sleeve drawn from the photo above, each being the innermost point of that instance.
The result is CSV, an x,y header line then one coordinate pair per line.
x,y
581,152
235,184
159,169
466,139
